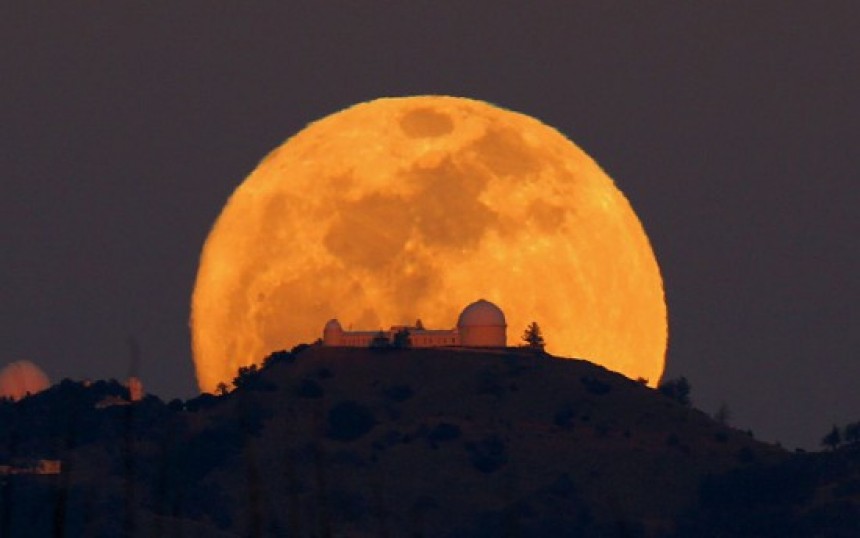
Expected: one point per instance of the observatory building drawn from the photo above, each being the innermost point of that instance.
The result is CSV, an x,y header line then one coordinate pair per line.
x,y
481,324
22,378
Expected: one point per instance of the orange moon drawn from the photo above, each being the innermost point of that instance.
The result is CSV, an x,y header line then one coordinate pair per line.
x,y
406,208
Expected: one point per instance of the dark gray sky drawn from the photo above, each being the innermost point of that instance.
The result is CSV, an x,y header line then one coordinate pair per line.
x,y
732,127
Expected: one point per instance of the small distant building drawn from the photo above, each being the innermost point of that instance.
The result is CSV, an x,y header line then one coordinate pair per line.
x,y
135,394
20,379
481,324
111,401
44,467
135,389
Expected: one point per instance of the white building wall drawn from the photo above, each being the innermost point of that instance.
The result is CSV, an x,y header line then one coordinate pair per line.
x,y
483,336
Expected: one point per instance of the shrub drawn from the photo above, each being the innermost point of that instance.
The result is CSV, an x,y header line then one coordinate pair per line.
x,y
676,389
746,455
488,455
562,487
349,420
204,401
564,417
298,348
398,393
251,378
595,386
278,357
309,389
832,439
850,488
444,432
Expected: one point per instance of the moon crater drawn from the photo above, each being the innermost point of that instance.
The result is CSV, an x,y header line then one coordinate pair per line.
x,y
426,122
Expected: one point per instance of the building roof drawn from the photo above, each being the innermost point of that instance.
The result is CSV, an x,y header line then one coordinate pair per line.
x,y
332,325
20,378
482,313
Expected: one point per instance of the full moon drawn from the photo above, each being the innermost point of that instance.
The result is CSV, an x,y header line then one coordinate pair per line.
x,y
406,208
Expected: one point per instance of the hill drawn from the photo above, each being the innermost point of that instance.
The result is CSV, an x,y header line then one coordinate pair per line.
x,y
419,442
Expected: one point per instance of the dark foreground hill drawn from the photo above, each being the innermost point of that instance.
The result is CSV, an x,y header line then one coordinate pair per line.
x,y
354,442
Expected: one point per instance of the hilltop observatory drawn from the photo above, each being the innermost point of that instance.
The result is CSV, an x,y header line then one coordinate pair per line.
x,y
20,379
481,324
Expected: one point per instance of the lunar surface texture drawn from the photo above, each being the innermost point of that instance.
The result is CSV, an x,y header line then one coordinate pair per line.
x,y
406,208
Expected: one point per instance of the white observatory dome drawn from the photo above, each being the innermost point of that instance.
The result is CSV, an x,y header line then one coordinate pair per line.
x,y
482,324
20,378
482,313
332,333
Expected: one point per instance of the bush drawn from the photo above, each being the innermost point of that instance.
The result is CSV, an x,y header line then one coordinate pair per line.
x,y
251,378
564,417
488,455
349,420
309,389
398,393
299,348
676,389
204,401
746,455
279,357
562,487
595,386
851,488
832,439
444,432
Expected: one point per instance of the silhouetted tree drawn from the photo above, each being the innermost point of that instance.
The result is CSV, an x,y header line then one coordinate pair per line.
x,y
282,356
832,439
677,389
298,348
380,341
251,378
222,389
402,340
245,376
533,337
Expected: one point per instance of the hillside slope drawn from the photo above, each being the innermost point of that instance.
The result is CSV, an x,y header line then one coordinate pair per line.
x,y
454,442
421,442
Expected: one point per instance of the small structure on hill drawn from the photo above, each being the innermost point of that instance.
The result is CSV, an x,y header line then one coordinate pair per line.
x,y
135,389
37,466
135,394
481,324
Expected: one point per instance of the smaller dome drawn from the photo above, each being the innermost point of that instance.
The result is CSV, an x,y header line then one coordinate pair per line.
x,y
332,325
21,378
482,313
